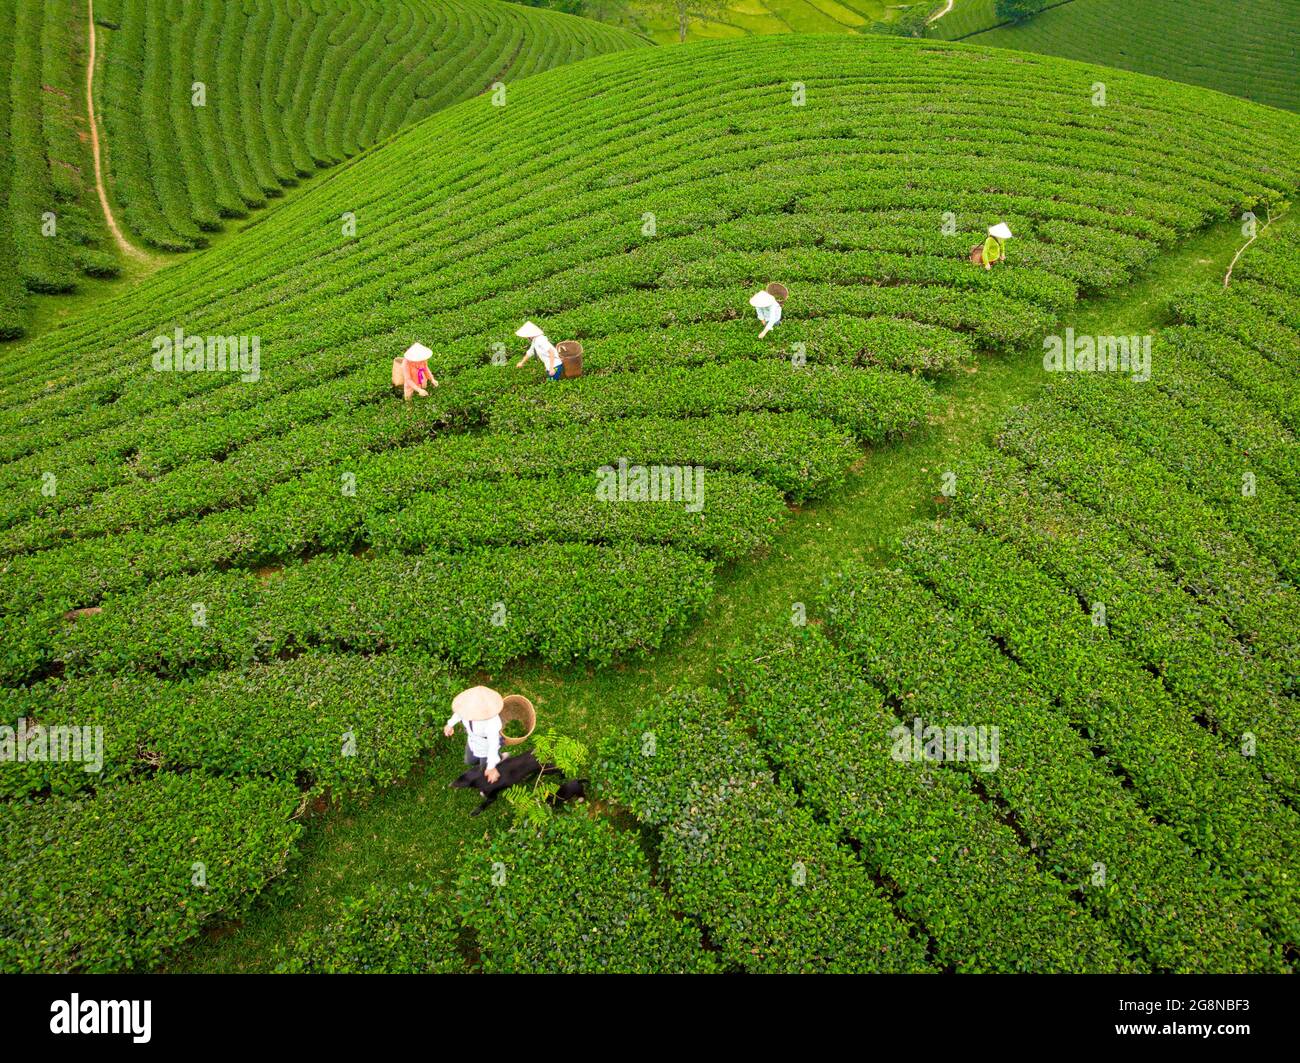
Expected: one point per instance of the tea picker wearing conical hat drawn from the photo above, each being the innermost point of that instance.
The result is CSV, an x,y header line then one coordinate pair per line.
x,y
994,249
767,304
411,371
478,710
541,348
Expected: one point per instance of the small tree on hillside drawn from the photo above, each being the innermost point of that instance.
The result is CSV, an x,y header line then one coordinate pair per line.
x,y
1018,10
685,10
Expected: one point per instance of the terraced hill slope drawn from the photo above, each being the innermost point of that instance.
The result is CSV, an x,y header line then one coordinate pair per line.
x,y
190,544
1248,48
210,109
51,226
290,88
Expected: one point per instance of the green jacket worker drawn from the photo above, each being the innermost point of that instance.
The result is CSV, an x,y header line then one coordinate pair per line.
x,y
994,247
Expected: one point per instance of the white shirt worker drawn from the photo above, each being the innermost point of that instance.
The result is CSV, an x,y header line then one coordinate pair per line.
x,y
484,738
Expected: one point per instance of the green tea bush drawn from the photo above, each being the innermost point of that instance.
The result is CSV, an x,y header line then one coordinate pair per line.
x,y
111,882
873,406
562,603
715,514
573,897
337,724
386,930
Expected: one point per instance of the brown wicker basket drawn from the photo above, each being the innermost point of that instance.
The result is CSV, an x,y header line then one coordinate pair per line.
x,y
780,291
570,352
517,708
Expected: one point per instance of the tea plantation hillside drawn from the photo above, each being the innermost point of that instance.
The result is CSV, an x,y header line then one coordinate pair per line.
x,y
1248,48
253,568
210,109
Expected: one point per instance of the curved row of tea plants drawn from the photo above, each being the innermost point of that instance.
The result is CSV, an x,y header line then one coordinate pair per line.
x,y
339,724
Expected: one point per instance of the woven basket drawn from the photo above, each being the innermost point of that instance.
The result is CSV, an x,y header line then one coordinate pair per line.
x,y
779,291
570,352
516,707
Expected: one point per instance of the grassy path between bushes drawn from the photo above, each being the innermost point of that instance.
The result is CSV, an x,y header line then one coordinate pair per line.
x,y
415,830
123,244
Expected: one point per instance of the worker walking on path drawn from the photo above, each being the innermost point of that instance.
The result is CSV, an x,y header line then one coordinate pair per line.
x,y
994,250
541,348
767,304
478,709
411,371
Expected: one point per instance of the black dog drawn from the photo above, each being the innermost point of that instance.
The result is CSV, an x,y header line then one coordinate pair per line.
x,y
513,771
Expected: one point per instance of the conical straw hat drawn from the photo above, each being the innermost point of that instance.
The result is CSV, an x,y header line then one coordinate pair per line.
x,y
528,331
477,703
1001,230
417,352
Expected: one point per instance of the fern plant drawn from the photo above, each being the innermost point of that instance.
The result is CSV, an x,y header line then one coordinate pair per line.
x,y
534,804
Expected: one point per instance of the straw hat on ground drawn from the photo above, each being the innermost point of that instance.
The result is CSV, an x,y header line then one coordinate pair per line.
x,y
417,352
477,703
1001,230
528,331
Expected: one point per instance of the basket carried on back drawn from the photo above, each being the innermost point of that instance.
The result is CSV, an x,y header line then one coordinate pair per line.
x,y
517,708
778,291
570,352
